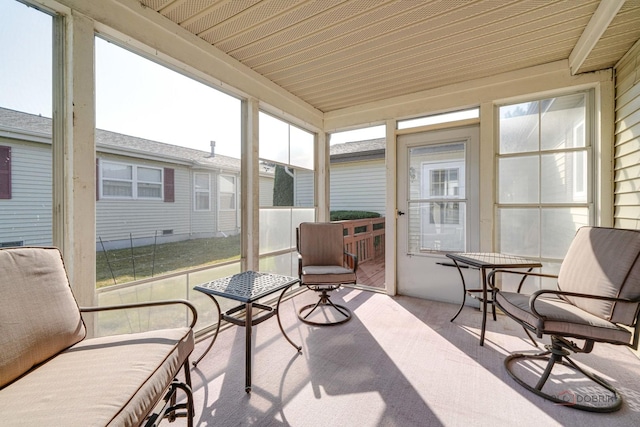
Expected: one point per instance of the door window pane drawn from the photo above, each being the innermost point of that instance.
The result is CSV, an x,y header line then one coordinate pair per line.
x,y
437,209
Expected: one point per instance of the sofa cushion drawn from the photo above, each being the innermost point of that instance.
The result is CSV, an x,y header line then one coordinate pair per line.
x,y
107,381
39,316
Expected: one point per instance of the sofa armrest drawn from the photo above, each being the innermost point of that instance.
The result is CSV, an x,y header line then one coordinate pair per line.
x,y
194,312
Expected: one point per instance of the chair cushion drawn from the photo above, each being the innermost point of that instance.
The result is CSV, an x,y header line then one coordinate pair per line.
x,y
39,316
605,262
107,381
561,318
322,274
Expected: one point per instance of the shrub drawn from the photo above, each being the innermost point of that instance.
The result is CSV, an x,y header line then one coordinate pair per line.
x,y
350,215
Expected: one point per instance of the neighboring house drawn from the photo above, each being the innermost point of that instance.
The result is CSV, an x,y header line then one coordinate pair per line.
x,y
357,177
149,191
145,189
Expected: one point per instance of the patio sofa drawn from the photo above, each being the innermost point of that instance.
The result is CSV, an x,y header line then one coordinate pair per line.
x,y
52,375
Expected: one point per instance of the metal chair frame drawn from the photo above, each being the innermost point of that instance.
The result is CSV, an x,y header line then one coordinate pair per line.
x,y
560,348
324,300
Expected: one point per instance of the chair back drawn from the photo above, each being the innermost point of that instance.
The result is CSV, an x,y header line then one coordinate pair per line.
x,y
604,262
39,316
321,243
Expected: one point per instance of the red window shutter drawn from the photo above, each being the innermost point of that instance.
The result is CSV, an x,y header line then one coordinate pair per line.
x,y
169,187
5,172
97,179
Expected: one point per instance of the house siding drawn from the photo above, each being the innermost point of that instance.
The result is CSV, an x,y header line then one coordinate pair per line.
x,y
627,142
26,217
303,190
358,186
266,191
125,219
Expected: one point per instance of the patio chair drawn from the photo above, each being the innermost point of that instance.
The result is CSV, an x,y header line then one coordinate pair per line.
x,y
597,300
323,266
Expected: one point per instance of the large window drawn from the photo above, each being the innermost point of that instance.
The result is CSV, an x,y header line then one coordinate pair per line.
x,y
162,139
287,195
544,190
130,181
26,88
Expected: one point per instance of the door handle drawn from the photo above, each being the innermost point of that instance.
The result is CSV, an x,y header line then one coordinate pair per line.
x,y
400,213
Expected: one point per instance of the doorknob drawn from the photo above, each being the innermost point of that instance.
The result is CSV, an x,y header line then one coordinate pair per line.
x,y
400,213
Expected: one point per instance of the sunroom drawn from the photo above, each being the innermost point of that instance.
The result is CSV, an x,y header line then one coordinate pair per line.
x,y
508,125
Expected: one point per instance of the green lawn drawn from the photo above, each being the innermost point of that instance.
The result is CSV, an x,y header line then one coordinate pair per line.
x,y
147,261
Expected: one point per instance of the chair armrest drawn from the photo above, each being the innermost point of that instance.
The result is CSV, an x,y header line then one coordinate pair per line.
x,y
534,296
351,260
525,274
194,312
300,266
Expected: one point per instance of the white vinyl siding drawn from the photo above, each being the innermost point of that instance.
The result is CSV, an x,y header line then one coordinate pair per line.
x,y
26,217
266,190
303,188
627,142
358,186
124,219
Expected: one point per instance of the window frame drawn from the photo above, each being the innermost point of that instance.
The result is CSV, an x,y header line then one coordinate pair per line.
x,y
197,191
571,151
234,193
134,181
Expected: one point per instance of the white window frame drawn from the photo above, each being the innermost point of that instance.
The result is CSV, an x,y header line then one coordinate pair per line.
x,y
133,181
580,172
573,152
234,193
197,192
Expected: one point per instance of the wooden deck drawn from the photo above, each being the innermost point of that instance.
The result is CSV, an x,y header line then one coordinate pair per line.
x,y
371,273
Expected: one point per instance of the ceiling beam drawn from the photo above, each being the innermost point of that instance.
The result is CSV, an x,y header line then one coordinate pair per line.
x,y
596,27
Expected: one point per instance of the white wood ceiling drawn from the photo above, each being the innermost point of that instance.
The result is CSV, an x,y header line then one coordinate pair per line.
x,y
335,54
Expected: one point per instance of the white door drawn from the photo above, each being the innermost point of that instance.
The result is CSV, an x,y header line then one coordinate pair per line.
x,y
437,210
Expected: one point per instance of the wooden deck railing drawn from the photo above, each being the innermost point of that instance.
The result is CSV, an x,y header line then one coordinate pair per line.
x,y
364,238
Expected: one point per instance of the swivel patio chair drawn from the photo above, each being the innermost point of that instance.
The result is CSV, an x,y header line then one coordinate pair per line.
x,y
323,266
597,300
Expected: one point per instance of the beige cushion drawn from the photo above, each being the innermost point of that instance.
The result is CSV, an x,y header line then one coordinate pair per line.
x,y
604,262
109,381
318,274
561,318
321,246
39,316
321,243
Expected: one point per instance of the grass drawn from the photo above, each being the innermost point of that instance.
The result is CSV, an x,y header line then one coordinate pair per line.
x,y
126,265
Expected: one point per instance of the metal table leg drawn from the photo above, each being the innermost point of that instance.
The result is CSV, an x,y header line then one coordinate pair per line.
x,y
297,347
248,327
215,335
464,291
